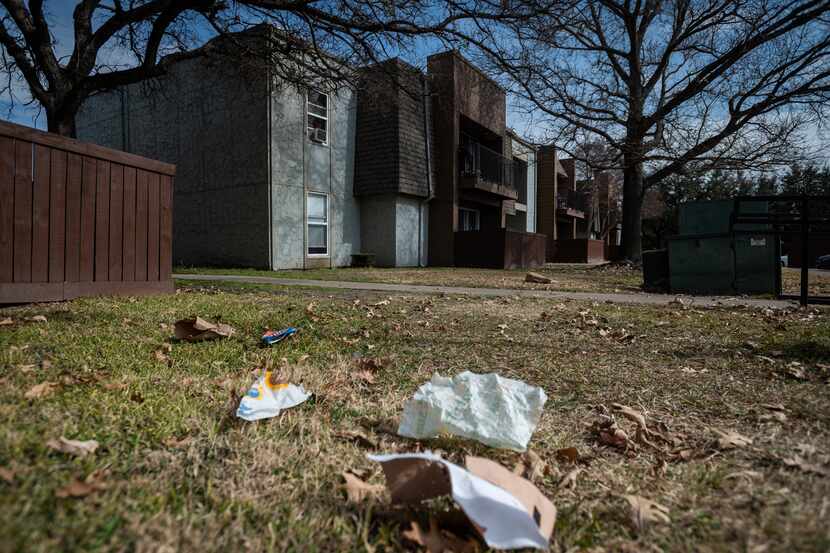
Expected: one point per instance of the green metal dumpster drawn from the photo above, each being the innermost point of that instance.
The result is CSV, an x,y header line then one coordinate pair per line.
x,y
711,256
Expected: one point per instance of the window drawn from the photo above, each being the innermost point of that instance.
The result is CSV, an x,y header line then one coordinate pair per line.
x,y
317,223
317,108
468,219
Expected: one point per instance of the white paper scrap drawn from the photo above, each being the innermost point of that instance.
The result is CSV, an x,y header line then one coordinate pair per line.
x,y
265,398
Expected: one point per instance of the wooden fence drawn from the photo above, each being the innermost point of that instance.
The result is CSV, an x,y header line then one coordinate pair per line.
x,y
78,219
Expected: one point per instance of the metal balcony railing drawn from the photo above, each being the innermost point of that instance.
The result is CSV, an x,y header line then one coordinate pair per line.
x,y
483,163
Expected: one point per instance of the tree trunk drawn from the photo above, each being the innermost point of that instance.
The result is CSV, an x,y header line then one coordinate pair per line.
x,y
632,223
62,122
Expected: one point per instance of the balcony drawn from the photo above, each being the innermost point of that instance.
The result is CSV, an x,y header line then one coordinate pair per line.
x,y
484,169
572,204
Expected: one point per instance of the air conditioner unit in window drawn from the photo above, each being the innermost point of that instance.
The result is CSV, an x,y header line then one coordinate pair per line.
x,y
317,135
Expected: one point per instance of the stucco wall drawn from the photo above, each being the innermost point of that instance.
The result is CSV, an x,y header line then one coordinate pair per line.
x,y
207,119
298,165
394,228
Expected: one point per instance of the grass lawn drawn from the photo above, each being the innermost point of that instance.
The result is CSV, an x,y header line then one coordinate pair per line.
x,y
177,472
570,277
567,277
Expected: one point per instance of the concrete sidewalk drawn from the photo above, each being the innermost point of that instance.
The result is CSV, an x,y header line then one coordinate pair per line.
x,y
634,299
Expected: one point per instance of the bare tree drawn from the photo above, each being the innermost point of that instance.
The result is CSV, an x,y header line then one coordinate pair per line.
x,y
311,38
670,85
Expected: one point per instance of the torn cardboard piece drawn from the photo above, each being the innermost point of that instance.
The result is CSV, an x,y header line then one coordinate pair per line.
x,y
509,511
198,330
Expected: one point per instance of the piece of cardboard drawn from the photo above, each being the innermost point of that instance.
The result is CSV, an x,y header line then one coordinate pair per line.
x,y
411,480
198,330
538,506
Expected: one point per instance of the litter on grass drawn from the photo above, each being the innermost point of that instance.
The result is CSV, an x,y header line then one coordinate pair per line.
x,y
198,330
496,411
267,398
508,510
274,336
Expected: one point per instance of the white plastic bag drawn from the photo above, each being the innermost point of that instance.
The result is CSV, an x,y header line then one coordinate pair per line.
x,y
267,398
496,411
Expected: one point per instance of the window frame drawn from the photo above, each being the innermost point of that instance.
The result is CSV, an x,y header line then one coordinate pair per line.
x,y
477,213
309,114
308,224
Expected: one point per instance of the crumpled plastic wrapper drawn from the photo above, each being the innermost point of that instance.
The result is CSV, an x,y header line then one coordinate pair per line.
x,y
496,411
267,398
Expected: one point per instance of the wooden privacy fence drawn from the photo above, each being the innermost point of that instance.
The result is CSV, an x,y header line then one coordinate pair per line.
x,y
78,219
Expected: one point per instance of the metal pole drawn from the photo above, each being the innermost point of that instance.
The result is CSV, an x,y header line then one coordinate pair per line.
x,y
805,250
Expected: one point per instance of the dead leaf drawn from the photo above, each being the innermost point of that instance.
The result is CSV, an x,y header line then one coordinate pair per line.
x,y
567,455
357,437
161,357
7,475
660,468
381,303
611,434
26,368
304,357
806,449
37,319
645,511
82,488
358,491
537,278
7,321
775,416
730,439
373,364
795,370
113,386
631,414
197,329
73,447
744,474
438,541
569,480
796,461
774,406
366,376
41,390
173,442
531,466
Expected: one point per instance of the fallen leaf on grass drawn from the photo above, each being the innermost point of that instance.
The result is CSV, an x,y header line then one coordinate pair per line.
x,y
6,321
161,357
806,449
366,376
176,443
41,390
26,368
73,447
531,466
198,330
796,461
113,386
794,370
730,439
82,488
358,491
610,434
437,541
775,416
357,437
569,480
744,474
7,475
567,455
37,319
645,511
370,363
631,414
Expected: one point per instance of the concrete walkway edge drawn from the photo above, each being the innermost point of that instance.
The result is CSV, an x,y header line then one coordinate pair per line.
x,y
632,299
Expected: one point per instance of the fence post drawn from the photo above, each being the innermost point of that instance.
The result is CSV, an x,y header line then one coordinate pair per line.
x,y
805,250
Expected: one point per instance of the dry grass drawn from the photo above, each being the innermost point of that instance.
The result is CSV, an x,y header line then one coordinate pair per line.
x,y
569,277
183,474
